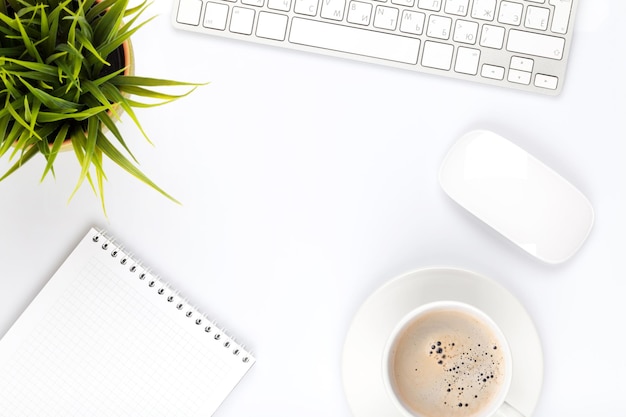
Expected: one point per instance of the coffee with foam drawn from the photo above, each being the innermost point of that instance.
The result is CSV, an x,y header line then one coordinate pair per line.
x,y
448,362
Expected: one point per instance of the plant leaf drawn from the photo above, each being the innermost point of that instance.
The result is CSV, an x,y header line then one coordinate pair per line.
x,y
116,96
112,153
54,150
32,51
34,66
4,142
26,156
21,121
86,43
151,82
78,144
50,101
93,126
47,117
144,92
93,89
106,27
107,48
100,177
112,126
99,81
11,138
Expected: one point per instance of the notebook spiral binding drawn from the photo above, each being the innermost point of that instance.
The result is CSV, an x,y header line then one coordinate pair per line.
x,y
171,295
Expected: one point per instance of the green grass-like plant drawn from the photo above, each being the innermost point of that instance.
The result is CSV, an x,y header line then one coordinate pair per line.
x,y
57,83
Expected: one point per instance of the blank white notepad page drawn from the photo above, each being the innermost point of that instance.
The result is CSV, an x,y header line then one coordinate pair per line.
x,y
106,338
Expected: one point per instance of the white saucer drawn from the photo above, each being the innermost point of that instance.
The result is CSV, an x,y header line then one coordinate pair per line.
x,y
374,321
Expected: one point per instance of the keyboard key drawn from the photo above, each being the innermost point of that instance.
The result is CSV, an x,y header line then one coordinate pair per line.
x,y
242,20
467,60
215,15
510,13
406,3
306,7
537,18
434,5
281,5
354,40
386,17
522,64
519,77
465,31
437,55
493,72
360,13
530,43
492,37
271,26
546,81
439,27
560,20
457,7
255,3
333,9
484,9
189,12
412,22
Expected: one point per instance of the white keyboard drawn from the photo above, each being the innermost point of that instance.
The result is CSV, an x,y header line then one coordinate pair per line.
x,y
521,44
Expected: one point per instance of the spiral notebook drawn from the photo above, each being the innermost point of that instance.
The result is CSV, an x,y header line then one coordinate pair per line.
x,y
107,338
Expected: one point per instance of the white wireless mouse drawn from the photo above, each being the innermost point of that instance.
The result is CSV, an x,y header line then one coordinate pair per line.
x,y
517,195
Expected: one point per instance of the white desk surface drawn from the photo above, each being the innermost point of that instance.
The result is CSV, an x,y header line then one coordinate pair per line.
x,y
307,182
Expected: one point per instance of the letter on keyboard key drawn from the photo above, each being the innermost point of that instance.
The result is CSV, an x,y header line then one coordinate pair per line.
x,y
353,40
307,7
535,44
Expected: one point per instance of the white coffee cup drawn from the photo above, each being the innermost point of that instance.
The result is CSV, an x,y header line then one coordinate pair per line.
x,y
448,358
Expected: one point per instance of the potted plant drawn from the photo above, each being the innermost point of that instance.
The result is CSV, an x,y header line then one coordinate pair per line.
x,y
65,77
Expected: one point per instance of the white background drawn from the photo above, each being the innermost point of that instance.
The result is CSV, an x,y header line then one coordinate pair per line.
x,y
307,182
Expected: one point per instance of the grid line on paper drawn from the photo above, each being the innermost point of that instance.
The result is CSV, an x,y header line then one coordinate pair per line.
x,y
105,350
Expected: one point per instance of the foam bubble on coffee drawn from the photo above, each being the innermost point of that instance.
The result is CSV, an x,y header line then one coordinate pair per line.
x,y
447,363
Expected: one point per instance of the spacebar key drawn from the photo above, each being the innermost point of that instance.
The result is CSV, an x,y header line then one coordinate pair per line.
x,y
353,40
